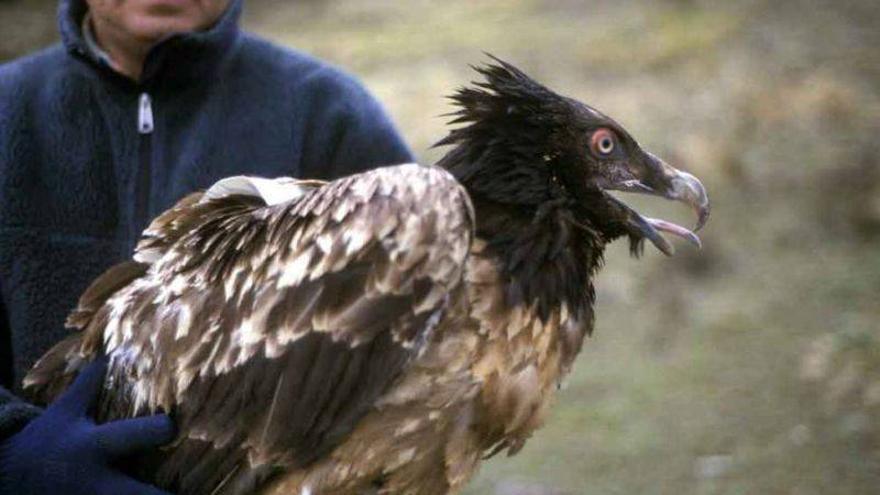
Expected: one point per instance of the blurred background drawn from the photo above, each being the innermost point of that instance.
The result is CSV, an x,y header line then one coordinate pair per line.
x,y
750,367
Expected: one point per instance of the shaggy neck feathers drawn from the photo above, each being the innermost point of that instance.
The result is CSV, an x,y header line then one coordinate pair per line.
x,y
526,217
505,156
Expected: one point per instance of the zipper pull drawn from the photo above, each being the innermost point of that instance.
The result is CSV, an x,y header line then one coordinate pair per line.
x,y
145,114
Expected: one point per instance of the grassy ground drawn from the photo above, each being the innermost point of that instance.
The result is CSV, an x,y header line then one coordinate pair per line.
x,y
752,366
745,368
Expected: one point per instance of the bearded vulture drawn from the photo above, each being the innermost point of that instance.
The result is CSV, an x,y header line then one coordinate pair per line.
x,y
377,334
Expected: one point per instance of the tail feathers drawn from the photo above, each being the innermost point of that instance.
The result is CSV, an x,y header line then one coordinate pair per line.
x,y
115,278
56,370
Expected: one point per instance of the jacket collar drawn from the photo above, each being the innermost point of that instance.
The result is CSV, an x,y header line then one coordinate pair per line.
x,y
177,59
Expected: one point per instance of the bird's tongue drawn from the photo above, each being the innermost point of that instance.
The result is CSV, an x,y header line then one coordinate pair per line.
x,y
650,228
674,229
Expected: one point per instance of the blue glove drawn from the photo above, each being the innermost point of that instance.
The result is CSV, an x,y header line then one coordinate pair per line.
x,y
63,451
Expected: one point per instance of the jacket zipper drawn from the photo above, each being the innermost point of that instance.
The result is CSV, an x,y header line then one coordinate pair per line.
x,y
145,114
145,127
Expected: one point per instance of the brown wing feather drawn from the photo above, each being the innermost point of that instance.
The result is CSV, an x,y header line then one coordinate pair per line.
x,y
56,369
269,331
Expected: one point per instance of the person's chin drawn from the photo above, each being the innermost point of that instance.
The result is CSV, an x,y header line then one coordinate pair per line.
x,y
155,28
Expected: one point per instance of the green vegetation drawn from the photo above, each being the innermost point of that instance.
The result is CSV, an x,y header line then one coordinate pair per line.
x,y
753,366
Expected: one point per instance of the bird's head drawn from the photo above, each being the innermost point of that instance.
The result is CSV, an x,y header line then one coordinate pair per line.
x,y
524,145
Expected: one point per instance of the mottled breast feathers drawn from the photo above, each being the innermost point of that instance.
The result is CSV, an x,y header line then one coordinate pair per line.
x,y
269,324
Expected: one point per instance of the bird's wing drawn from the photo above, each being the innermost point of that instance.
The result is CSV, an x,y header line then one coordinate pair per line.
x,y
269,330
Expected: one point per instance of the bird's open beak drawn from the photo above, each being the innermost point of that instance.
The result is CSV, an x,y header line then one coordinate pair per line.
x,y
654,176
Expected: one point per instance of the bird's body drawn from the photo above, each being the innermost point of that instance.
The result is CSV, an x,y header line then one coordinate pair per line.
x,y
381,333
484,383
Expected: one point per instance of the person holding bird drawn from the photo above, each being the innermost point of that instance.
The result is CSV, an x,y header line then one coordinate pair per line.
x,y
142,102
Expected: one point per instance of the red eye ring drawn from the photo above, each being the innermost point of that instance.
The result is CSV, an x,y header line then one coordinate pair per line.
x,y
602,142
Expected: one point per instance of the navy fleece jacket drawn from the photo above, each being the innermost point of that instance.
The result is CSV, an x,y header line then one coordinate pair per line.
x,y
88,157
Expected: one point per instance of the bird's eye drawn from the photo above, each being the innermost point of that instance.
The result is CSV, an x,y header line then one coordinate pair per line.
x,y
602,143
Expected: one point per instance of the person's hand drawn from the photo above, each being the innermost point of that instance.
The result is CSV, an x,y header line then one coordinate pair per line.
x,y
63,451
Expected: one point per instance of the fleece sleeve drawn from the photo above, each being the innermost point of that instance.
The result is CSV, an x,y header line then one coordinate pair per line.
x,y
369,139
7,370
14,413
349,131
